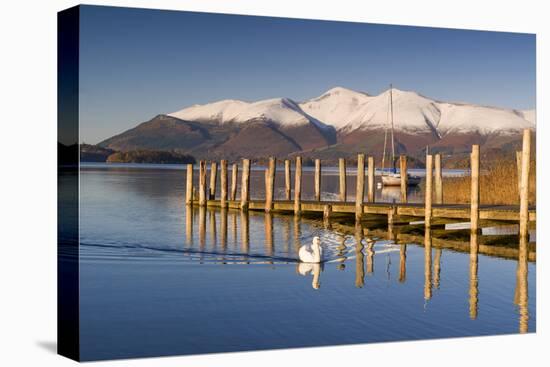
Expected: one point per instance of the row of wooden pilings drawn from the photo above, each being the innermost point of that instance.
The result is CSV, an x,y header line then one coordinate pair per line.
x,y
231,195
431,188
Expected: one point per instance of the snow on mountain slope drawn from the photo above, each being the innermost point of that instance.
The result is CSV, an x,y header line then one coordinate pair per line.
x,y
463,118
530,115
222,111
335,106
347,110
282,111
411,113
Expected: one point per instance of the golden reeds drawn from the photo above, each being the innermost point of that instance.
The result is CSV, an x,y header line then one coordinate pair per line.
x,y
498,185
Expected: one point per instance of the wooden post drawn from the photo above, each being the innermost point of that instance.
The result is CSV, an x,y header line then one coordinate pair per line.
x,y
318,179
223,183
428,193
213,179
287,179
518,164
327,212
343,191
524,193
438,180
270,184
245,185
360,186
370,196
189,185
234,174
298,186
404,177
474,191
202,183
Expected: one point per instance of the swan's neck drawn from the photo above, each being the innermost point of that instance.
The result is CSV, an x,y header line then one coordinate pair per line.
x,y
316,252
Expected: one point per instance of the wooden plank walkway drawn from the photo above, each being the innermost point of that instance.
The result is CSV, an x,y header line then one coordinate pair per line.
x,y
450,211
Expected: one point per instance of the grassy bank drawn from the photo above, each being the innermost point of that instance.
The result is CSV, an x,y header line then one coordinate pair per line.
x,y
498,185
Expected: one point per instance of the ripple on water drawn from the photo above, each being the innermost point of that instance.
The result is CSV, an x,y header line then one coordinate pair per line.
x,y
336,248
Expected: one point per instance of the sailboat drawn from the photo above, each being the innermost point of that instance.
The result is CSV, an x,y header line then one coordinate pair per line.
x,y
392,177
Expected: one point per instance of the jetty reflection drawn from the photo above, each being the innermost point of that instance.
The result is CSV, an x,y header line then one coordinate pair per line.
x,y
359,257
474,283
228,236
522,296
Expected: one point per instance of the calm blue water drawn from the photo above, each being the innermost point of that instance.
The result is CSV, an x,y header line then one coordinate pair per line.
x,y
158,280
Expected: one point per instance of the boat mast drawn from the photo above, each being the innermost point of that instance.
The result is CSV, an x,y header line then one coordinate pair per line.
x,y
392,140
385,141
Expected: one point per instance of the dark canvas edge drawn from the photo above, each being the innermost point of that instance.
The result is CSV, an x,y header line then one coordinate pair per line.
x,y
68,315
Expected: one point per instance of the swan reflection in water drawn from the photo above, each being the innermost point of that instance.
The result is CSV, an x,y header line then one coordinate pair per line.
x,y
314,269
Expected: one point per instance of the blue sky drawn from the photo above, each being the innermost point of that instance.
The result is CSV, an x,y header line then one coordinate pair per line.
x,y
137,63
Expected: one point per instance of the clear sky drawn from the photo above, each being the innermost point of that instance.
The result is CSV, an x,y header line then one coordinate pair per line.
x,y
137,63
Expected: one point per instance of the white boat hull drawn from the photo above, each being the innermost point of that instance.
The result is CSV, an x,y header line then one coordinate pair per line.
x,y
395,180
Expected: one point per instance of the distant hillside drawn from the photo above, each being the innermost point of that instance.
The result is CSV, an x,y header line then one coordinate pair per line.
x,y
148,156
258,137
94,153
339,123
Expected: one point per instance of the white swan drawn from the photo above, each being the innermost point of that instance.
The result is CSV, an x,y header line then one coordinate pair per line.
x,y
311,253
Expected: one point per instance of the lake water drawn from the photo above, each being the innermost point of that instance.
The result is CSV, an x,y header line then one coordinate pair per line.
x,y
159,279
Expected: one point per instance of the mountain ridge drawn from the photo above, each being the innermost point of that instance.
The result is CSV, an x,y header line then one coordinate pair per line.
x,y
339,121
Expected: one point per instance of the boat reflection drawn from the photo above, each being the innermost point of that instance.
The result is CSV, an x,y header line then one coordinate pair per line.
x,y
392,194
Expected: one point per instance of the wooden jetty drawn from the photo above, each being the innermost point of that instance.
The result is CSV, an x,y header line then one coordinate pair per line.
x,y
430,210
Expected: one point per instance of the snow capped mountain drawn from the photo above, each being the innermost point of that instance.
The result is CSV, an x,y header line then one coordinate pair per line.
x,y
412,113
530,115
335,106
463,118
339,123
347,110
222,111
282,111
